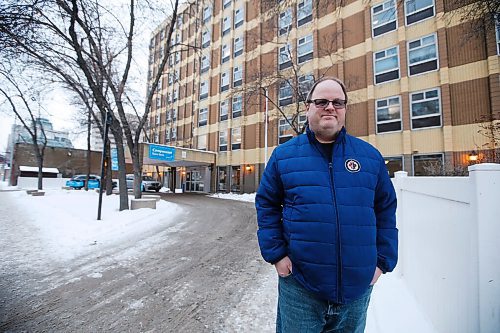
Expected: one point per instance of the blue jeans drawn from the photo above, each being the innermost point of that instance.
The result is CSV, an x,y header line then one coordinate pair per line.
x,y
301,311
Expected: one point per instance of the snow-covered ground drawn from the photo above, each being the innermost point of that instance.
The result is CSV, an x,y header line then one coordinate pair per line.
x,y
67,220
67,224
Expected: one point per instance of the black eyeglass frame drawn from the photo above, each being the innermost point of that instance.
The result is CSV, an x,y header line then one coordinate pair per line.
x,y
337,102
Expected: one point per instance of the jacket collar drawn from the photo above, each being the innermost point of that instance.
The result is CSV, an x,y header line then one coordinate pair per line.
x,y
340,136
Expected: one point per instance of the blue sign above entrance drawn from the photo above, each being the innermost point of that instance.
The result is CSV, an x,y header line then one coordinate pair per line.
x,y
163,153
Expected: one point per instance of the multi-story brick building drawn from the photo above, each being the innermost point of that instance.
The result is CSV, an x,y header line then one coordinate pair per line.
x,y
423,89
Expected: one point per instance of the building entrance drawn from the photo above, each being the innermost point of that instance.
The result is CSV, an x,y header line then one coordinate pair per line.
x,y
194,181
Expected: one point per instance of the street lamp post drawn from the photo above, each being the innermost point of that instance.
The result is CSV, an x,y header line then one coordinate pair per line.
x,y
107,122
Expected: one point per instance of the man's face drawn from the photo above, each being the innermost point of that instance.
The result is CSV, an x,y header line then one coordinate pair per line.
x,y
326,122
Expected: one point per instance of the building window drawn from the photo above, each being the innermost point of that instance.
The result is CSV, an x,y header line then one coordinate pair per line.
x,y
226,25
425,109
305,84
237,106
167,134
205,38
237,76
238,46
205,63
386,65
428,165
207,14
175,95
202,142
174,114
285,56
226,3
384,18
235,178
223,140
203,90
285,131
223,110
203,117
422,55
173,133
222,178
497,24
177,57
179,21
158,102
238,17
418,10
225,53
388,112
285,93
224,81
236,138
305,48
304,12
393,164
285,22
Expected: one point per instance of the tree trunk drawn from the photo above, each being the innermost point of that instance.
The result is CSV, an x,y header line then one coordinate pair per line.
x,y
109,175
122,181
88,151
39,160
137,165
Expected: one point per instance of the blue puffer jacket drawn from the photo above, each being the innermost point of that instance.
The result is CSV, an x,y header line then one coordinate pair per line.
x,y
334,219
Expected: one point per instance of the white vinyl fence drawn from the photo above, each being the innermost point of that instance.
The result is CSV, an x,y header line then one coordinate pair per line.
x,y
450,247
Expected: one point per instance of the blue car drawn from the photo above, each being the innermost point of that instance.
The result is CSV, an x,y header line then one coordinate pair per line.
x,y
78,182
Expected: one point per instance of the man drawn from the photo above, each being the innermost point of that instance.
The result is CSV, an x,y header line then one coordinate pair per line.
x,y
326,213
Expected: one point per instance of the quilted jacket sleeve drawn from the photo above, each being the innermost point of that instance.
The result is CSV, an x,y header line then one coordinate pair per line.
x,y
269,205
385,210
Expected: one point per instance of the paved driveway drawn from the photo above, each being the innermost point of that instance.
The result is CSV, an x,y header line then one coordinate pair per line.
x,y
203,274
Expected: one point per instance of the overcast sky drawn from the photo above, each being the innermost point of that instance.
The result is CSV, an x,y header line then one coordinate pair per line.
x,y
62,114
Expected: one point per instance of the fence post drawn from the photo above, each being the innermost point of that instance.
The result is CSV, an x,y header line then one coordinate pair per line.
x,y
485,181
399,178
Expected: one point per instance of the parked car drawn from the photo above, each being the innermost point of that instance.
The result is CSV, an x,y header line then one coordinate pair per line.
x,y
148,183
78,182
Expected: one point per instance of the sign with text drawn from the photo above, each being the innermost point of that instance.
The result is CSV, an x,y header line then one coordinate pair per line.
x,y
163,153
114,159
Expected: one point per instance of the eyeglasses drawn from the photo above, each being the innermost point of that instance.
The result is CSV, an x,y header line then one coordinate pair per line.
x,y
323,103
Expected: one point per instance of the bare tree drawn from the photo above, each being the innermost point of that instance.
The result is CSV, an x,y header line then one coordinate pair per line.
x,y
20,104
82,38
285,84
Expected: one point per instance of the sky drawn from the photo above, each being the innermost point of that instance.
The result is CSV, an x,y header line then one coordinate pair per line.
x,y
66,233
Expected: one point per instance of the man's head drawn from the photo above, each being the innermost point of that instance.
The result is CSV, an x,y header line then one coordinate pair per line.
x,y
326,108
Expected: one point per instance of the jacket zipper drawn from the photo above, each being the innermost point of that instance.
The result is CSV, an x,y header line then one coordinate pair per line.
x,y
339,248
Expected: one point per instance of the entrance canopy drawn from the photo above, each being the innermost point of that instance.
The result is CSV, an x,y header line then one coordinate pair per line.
x,y
163,155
